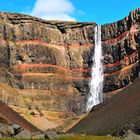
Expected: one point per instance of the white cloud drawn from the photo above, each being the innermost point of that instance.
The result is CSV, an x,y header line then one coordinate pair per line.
x,y
54,10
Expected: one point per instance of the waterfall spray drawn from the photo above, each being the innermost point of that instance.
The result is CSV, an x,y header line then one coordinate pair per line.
x,y
96,84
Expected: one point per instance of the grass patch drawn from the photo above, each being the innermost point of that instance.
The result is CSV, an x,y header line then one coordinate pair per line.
x,y
84,137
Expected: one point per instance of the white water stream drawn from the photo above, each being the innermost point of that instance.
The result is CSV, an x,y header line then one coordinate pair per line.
x,y
96,84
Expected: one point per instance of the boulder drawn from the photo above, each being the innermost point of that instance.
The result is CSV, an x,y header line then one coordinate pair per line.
x,y
7,131
50,134
38,135
25,134
17,128
130,135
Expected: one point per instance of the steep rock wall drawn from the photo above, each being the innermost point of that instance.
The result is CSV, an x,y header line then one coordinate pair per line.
x,y
121,43
49,58
55,58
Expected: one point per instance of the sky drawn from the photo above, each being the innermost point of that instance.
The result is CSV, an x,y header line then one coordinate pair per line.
x,y
99,11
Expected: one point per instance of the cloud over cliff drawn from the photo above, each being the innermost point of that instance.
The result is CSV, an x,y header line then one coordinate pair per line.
x,y
54,10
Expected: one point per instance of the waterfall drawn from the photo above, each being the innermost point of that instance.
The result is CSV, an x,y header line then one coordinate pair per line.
x,y
95,95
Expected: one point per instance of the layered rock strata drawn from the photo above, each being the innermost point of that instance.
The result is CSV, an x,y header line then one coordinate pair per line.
x,y
53,59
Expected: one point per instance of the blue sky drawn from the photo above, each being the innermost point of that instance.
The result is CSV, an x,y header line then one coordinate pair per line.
x,y
99,11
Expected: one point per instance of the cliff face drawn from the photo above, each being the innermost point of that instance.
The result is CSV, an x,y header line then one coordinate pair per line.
x,y
121,42
49,63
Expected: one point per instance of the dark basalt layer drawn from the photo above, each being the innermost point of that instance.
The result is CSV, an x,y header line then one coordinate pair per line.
x,y
56,58
112,30
16,27
121,52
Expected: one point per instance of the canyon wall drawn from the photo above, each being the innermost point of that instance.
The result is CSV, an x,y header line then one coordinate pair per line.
x,y
121,43
47,64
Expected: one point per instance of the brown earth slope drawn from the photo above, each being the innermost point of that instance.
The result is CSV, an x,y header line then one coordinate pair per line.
x,y
121,112
8,114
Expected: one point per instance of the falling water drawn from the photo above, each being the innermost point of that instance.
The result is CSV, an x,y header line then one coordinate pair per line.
x,y
96,84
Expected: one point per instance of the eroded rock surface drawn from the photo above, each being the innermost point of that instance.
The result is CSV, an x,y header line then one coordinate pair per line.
x,y
49,63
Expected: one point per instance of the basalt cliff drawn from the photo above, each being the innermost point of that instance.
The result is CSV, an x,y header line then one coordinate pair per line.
x,y
46,65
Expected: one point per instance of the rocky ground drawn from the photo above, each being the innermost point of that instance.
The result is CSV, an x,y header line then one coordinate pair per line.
x,y
12,125
16,132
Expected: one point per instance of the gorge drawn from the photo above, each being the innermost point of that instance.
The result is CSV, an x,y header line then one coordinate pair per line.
x,y
46,66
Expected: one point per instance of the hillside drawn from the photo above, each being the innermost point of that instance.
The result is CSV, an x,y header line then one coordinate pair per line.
x,y
121,112
10,116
